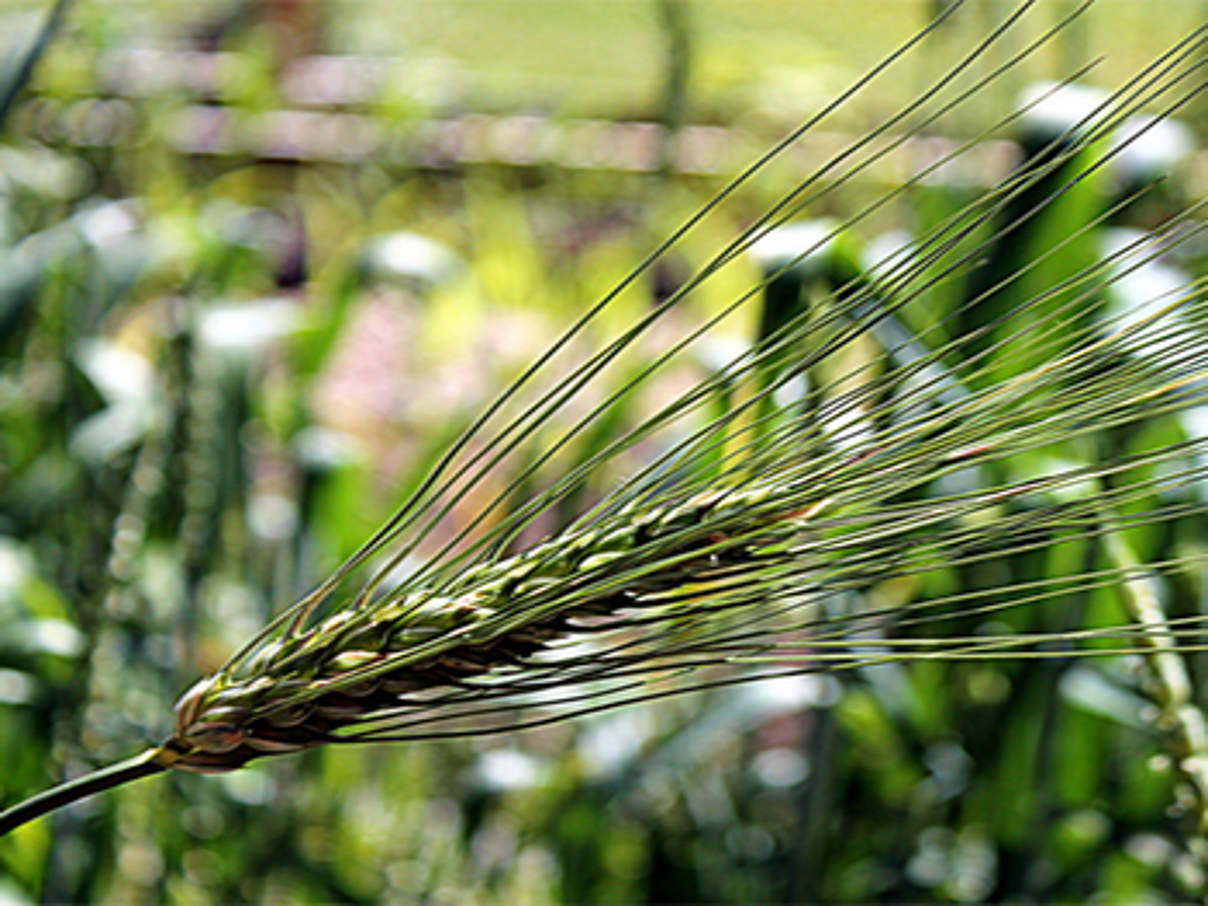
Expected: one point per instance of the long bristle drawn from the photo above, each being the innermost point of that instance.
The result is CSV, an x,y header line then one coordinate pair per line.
x,y
743,529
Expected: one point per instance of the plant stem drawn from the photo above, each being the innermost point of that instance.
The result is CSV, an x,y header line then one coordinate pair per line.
x,y
149,762
1182,723
25,69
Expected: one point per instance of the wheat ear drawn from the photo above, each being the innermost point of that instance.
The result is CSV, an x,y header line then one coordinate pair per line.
x,y
360,663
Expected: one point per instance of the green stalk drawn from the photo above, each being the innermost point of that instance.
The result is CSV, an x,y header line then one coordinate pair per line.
x,y
149,762
25,69
1182,723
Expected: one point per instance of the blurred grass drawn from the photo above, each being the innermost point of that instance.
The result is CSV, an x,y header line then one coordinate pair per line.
x,y
582,58
153,514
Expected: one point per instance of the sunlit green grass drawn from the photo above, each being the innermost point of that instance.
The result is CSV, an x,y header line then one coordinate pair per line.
x,y
588,58
935,769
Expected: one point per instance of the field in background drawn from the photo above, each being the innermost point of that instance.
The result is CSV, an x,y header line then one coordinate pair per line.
x,y
239,317
581,58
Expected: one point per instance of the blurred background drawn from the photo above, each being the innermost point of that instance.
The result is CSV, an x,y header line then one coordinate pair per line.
x,y
260,260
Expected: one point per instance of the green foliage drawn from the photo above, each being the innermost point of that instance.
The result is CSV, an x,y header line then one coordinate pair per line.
x,y
183,453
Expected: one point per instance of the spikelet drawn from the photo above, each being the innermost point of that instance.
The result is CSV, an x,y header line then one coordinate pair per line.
x,y
360,664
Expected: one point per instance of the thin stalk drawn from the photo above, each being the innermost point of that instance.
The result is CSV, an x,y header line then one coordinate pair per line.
x,y
149,762
1184,729
25,69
